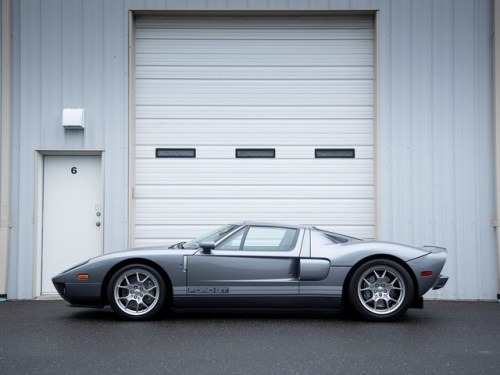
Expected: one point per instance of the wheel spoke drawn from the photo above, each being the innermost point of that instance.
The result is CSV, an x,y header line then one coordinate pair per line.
x,y
149,295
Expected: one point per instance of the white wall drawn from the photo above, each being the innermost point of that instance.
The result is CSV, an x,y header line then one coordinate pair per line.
x,y
434,132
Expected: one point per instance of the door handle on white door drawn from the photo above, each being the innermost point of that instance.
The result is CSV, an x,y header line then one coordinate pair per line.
x,y
98,223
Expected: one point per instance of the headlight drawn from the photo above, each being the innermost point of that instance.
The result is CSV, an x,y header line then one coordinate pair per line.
x,y
78,265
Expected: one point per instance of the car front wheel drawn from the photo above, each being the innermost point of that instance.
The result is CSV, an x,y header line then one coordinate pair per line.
x,y
137,292
381,290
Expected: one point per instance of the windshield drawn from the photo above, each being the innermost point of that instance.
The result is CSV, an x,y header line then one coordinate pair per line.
x,y
211,236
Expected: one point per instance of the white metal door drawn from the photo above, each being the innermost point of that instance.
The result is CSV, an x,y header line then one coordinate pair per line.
x,y
72,214
292,84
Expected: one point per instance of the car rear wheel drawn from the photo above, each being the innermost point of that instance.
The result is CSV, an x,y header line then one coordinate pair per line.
x,y
381,290
137,292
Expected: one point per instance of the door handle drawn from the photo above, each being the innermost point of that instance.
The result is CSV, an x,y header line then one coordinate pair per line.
x,y
97,223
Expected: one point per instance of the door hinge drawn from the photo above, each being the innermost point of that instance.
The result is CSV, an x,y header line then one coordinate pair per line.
x,y
6,223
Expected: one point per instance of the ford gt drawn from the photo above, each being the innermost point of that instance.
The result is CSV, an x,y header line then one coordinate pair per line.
x,y
253,264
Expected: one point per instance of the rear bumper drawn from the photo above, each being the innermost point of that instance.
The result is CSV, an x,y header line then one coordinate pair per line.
x,y
427,269
440,282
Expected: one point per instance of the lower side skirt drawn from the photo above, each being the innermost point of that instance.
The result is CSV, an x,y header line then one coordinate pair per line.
x,y
260,302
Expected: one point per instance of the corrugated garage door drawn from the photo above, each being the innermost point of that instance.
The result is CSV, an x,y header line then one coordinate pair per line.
x,y
297,87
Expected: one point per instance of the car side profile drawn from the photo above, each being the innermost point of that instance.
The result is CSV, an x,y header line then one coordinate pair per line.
x,y
254,264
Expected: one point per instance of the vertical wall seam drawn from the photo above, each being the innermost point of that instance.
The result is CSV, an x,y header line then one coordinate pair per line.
x,y
5,223
496,65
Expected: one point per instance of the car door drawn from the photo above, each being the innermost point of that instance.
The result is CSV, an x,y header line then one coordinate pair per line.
x,y
256,261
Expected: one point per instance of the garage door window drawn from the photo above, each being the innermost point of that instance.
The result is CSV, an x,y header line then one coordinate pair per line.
x,y
321,153
255,153
175,152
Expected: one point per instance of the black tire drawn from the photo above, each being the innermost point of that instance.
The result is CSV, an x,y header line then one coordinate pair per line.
x,y
137,292
381,290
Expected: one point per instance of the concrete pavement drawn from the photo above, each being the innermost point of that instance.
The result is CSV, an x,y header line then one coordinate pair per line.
x,y
47,337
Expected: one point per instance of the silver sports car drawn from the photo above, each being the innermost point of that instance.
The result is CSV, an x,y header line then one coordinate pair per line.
x,y
253,264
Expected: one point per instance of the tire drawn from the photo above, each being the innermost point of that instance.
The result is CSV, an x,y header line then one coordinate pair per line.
x,y
381,290
137,292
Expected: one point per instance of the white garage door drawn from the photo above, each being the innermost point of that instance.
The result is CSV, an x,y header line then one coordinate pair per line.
x,y
297,92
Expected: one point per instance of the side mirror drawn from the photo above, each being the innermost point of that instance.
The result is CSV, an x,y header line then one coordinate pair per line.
x,y
207,246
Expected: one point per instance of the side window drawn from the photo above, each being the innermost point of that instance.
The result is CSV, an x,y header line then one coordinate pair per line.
x,y
233,242
269,239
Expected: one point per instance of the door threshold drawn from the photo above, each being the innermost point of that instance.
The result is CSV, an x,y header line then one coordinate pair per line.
x,y
48,297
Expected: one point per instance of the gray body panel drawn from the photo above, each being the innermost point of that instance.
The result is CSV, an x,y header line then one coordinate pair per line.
x,y
312,273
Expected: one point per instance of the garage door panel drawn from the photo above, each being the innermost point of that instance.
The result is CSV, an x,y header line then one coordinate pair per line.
x,y
234,165
282,152
166,125
257,99
268,23
338,212
271,140
231,59
253,72
245,171
254,47
255,112
253,35
253,191
258,86
216,33
349,178
234,132
258,92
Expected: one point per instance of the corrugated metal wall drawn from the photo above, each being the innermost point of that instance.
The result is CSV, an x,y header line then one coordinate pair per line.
x,y
434,132
67,54
435,136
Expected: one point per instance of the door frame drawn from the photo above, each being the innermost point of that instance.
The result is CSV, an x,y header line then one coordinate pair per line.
x,y
38,207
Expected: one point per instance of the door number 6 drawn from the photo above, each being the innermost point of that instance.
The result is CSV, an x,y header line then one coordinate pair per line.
x,y
73,170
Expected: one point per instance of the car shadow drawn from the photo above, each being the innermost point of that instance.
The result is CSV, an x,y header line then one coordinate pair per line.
x,y
236,314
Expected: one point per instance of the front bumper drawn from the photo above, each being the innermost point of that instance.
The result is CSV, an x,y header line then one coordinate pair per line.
x,y
78,292
440,282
